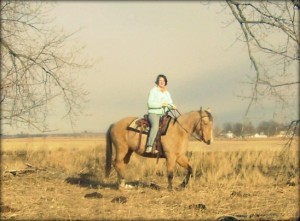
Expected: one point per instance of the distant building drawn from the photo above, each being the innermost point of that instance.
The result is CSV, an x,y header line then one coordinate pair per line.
x,y
261,135
229,134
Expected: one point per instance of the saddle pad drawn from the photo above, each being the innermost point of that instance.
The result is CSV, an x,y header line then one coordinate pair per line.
x,y
134,127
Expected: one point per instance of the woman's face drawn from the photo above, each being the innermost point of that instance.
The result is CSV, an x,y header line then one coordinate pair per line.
x,y
161,82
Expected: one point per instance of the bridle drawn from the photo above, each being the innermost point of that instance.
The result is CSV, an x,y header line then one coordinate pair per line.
x,y
173,113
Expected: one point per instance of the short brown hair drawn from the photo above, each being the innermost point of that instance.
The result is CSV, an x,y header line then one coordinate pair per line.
x,y
161,76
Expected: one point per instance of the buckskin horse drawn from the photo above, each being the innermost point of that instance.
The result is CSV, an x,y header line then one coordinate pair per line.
x,y
198,124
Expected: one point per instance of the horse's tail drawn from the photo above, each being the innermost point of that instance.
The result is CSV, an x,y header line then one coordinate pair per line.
x,y
108,152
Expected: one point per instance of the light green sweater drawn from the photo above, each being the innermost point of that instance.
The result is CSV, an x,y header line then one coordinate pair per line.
x,y
156,99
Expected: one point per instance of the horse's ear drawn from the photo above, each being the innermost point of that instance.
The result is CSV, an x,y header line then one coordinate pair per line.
x,y
200,109
208,110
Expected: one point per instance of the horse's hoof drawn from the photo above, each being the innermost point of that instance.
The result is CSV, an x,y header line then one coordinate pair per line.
x,y
121,188
128,186
125,187
121,184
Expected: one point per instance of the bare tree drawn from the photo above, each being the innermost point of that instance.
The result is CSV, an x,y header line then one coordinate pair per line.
x,y
37,66
270,30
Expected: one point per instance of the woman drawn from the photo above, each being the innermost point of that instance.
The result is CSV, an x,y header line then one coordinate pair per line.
x,y
159,101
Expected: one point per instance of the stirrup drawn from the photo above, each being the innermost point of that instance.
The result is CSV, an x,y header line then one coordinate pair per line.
x,y
148,149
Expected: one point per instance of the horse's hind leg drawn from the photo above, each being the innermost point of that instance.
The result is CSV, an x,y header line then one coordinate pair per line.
x,y
183,161
122,158
119,167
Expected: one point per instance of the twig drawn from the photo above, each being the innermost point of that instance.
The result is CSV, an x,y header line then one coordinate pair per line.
x,y
30,169
22,171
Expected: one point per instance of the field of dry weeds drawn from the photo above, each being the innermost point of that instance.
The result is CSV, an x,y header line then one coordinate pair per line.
x,y
63,179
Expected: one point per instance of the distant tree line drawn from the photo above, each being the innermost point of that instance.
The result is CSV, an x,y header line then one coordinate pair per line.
x,y
269,128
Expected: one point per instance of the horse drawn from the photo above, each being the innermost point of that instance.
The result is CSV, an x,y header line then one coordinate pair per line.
x,y
198,124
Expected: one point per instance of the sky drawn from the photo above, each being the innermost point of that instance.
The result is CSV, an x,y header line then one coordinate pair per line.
x,y
132,42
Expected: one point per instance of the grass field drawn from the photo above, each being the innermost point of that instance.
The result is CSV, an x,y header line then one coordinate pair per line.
x,y
49,178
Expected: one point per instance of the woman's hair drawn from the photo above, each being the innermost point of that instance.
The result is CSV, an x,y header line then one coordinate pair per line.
x,y
161,76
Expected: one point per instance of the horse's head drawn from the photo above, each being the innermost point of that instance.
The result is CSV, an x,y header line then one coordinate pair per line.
x,y
205,126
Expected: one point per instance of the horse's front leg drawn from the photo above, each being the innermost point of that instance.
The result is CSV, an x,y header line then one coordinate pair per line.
x,y
183,161
170,171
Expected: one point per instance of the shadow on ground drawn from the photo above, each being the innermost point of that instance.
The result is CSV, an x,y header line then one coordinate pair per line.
x,y
88,180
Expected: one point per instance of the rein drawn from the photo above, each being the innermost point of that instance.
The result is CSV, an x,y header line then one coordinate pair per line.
x,y
175,118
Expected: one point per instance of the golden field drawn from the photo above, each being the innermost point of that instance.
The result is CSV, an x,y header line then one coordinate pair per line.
x,y
49,178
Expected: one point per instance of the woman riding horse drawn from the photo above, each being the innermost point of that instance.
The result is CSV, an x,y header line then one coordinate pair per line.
x,y
159,100
195,123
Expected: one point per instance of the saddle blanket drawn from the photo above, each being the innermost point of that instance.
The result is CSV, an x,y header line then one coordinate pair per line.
x,y
134,126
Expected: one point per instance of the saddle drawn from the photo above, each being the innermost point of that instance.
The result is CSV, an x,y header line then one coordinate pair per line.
x,y
143,123
142,126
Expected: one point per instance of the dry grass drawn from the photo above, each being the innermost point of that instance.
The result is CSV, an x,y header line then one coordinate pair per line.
x,y
250,180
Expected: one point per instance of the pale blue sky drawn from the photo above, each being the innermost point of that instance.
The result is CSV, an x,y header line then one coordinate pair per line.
x,y
133,42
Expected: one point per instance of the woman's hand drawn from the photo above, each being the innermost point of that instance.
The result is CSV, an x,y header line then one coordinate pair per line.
x,y
171,106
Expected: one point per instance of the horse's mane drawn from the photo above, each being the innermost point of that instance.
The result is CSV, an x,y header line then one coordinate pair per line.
x,y
207,112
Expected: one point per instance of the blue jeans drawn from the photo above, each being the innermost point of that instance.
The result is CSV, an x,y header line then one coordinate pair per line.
x,y
154,123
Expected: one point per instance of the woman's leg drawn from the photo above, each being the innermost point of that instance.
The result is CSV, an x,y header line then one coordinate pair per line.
x,y
154,123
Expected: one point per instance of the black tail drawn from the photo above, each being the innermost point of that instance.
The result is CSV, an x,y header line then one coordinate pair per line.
x,y
108,152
